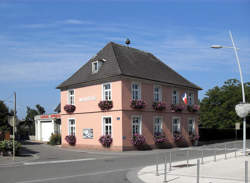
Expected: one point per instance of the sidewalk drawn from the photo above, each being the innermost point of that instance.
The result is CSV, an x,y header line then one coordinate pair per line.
x,y
231,170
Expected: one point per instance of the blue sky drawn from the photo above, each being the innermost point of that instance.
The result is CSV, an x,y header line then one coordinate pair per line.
x,y
42,43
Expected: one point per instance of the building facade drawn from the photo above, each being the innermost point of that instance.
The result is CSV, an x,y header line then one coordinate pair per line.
x,y
122,75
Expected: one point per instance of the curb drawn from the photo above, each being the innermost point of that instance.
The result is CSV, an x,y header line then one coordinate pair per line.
x,y
132,175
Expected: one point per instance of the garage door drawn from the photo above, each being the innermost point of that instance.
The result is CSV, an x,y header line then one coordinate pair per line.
x,y
47,129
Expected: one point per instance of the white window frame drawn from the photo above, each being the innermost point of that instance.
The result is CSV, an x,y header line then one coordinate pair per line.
x,y
190,98
109,91
103,125
140,123
193,125
175,95
159,93
139,90
93,67
71,96
69,126
160,123
179,125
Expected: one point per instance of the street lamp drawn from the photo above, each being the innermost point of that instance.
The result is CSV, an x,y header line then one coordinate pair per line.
x,y
242,86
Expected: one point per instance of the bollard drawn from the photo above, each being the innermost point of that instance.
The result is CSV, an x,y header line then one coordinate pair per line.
x,y
202,156
225,149
170,161
246,171
215,153
198,171
165,170
187,158
157,169
235,151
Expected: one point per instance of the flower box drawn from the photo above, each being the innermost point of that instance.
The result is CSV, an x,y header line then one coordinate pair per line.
x,y
177,137
105,104
71,139
69,108
177,107
106,140
194,137
159,106
137,104
159,138
138,140
193,108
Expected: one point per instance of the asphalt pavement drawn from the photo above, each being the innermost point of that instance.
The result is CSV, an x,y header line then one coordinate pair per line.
x,y
55,164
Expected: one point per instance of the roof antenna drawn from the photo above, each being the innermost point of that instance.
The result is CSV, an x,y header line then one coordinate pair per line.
x,y
127,42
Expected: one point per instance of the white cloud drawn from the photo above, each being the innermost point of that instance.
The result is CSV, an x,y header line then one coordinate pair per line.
x,y
75,22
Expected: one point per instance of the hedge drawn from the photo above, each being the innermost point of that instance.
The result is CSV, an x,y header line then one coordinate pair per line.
x,y
208,134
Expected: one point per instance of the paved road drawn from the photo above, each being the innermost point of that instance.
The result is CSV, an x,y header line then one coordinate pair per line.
x,y
86,166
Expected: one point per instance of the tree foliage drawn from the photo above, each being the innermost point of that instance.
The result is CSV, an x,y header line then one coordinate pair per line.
x,y
218,107
29,119
4,112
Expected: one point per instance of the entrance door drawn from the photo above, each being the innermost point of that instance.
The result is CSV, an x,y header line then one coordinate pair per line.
x,y
47,129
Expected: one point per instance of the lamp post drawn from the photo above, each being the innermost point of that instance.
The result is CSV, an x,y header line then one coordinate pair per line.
x,y
242,85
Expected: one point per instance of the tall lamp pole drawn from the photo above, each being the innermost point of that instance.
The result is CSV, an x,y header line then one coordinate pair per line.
x,y
242,86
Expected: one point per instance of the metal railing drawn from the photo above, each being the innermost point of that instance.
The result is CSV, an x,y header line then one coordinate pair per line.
x,y
202,154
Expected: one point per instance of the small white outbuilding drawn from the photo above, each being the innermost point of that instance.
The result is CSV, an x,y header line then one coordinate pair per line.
x,y
45,125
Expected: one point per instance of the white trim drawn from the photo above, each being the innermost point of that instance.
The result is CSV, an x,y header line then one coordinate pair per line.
x,y
179,126
110,90
140,123
103,125
192,98
161,123
160,93
68,125
70,96
95,71
177,96
139,89
193,126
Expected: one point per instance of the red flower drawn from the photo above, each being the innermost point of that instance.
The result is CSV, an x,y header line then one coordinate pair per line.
x,y
159,106
137,104
69,108
105,104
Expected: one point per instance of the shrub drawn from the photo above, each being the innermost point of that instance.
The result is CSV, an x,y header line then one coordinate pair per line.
x,y
159,106
138,140
177,107
69,108
105,104
1,135
106,140
137,104
55,139
71,139
159,138
7,145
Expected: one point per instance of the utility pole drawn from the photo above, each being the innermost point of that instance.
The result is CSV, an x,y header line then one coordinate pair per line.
x,y
14,122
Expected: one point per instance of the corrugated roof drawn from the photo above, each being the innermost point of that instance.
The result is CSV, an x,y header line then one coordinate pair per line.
x,y
126,61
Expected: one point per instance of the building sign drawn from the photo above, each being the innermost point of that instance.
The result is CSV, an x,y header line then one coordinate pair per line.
x,y
88,133
237,126
89,98
50,116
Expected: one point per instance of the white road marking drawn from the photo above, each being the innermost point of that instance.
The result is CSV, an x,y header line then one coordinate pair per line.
x,y
58,161
74,176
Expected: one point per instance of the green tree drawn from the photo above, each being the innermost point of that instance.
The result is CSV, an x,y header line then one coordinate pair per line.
x,y
4,112
218,107
29,119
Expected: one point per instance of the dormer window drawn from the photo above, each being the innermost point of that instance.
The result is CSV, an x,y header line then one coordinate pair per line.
x,y
95,67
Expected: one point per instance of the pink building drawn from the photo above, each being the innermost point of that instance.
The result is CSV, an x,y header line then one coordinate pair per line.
x,y
119,75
